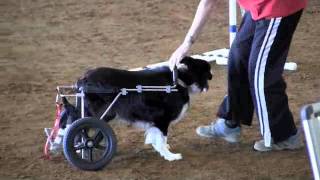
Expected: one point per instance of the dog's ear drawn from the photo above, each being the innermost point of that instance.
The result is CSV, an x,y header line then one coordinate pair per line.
x,y
187,62
186,58
184,72
182,67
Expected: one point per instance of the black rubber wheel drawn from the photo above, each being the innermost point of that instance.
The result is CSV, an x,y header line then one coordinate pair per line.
x,y
89,144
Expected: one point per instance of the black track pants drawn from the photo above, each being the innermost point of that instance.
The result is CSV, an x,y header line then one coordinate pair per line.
x,y
256,61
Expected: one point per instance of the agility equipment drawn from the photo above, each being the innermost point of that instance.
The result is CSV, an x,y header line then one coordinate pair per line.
x,y
310,117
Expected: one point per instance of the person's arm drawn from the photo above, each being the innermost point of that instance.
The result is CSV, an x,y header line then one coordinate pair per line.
x,y
200,18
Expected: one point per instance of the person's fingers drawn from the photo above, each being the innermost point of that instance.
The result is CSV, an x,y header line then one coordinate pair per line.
x,y
177,63
173,64
177,56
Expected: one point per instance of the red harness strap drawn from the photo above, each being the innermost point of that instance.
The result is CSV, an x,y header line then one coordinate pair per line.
x,y
54,131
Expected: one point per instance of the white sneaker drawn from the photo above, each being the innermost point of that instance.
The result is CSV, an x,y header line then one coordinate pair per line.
x,y
292,143
220,130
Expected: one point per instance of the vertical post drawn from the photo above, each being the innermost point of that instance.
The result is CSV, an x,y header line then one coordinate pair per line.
x,y
232,20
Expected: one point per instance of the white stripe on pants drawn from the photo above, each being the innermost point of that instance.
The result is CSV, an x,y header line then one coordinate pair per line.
x,y
259,80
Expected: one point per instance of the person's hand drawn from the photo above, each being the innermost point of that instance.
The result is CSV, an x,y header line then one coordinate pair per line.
x,y
178,54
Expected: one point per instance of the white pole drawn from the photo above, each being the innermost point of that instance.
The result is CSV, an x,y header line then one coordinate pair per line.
x,y
232,20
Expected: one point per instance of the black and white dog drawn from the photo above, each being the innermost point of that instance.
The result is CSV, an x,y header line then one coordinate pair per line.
x,y
152,111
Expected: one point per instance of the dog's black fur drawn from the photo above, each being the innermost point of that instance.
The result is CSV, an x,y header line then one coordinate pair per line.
x,y
158,109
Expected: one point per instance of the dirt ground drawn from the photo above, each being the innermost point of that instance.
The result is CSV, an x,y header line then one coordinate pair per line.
x,y
48,43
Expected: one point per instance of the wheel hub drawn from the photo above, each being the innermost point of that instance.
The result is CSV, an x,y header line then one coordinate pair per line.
x,y
89,143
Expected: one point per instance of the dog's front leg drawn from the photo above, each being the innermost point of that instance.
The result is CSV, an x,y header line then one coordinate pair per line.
x,y
159,142
166,142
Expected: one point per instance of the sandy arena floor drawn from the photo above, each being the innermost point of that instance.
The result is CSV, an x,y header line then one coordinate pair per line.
x,y
48,43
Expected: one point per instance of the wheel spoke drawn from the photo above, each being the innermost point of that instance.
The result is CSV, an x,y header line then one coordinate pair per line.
x,y
79,146
97,137
90,154
100,147
84,134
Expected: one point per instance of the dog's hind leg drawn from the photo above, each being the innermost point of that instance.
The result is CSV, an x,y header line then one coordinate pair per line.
x,y
158,141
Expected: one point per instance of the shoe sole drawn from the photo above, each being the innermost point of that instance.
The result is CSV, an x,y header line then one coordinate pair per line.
x,y
278,149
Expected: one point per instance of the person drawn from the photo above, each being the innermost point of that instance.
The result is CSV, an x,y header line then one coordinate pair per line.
x,y
255,67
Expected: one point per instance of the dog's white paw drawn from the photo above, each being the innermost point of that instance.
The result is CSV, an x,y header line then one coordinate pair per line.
x,y
173,157
168,146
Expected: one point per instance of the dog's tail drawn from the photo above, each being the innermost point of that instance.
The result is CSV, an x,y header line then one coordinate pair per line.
x,y
69,113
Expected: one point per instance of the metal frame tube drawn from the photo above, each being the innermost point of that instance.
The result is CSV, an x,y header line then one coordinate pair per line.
x,y
124,91
110,106
82,103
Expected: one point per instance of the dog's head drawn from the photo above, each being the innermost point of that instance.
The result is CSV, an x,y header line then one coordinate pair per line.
x,y
195,73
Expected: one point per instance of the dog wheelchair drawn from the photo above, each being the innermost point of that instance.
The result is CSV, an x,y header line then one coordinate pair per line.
x,y
88,142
